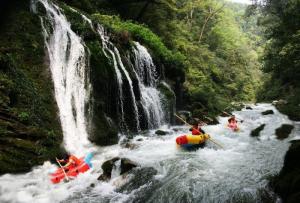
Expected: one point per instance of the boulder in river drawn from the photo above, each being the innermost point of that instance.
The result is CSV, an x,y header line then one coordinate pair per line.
x,y
256,131
162,132
287,183
267,112
107,167
284,131
249,108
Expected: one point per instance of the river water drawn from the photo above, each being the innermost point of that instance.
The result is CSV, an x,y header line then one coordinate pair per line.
x,y
238,173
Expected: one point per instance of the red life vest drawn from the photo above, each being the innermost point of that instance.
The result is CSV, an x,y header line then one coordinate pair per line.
x,y
196,132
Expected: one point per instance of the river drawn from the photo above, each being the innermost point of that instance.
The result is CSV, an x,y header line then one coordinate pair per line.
x,y
238,173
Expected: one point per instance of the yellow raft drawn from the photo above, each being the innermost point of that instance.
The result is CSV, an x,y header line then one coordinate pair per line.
x,y
191,141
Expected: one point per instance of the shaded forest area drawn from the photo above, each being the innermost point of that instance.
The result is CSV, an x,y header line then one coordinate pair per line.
x,y
280,21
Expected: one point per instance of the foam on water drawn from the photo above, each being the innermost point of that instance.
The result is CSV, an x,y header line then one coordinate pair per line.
x,y
240,171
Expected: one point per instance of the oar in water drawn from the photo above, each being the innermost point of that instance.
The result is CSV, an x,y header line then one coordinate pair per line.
x,y
197,129
62,169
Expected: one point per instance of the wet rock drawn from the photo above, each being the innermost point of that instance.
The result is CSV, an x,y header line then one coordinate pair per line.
x,y
249,108
127,165
284,131
126,143
129,145
225,114
140,139
267,112
287,184
210,121
107,167
282,102
256,131
162,132
185,115
237,106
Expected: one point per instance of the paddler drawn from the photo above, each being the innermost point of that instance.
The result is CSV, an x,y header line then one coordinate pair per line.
x,y
70,160
196,129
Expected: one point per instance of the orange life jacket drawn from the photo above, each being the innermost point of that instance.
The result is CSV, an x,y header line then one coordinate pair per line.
x,y
75,160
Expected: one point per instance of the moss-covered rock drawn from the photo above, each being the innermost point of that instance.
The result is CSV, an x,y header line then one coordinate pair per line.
x,y
30,130
284,131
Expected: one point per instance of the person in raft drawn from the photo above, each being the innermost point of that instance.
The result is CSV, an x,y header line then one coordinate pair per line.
x,y
232,123
70,160
196,129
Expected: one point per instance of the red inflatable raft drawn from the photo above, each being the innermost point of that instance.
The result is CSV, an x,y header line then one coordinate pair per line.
x,y
72,171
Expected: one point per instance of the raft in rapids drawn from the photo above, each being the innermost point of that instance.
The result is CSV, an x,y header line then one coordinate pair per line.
x,y
72,172
192,141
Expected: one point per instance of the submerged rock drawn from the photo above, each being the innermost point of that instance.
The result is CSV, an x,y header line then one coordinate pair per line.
x,y
162,132
107,167
249,108
256,131
284,131
267,112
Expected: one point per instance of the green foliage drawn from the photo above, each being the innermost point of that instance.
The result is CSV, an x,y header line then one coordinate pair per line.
x,y
281,22
142,34
23,116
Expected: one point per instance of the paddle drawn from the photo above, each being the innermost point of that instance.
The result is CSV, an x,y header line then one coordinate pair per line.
x,y
197,129
62,169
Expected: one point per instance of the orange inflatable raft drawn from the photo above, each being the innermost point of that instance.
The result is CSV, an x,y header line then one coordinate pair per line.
x,y
71,172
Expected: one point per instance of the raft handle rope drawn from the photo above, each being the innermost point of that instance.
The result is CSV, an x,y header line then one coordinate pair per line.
x,y
210,139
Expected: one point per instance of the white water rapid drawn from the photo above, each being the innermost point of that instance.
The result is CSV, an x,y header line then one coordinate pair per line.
x,y
68,64
237,173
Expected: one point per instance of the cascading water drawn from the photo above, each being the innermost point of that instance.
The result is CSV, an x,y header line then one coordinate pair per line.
x,y
147,78
111,51
68,64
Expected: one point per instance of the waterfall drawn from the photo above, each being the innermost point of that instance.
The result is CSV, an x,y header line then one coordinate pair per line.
x,y
146,74
111,51
147,77
69,68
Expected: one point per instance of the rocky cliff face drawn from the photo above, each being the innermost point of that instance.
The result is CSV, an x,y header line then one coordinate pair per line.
x,y
30,130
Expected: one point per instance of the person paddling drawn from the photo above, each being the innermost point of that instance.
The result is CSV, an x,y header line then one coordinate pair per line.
x,y
70,160
196,129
